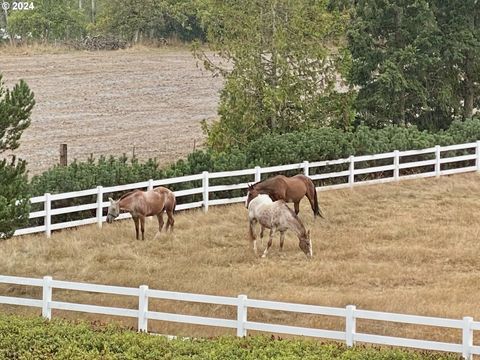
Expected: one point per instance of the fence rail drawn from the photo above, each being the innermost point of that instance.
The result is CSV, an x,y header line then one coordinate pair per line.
x,y
242,324
399,159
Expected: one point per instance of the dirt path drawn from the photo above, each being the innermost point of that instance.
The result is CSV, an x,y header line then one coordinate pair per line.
x,y
106,103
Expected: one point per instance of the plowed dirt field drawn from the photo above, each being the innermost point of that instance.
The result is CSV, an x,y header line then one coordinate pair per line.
x,y
107,103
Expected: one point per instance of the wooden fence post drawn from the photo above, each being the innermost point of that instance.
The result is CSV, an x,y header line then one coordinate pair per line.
x,y
350,325
437,160
467,338
396,164
63,154
305,168
241,315
477,152
205,191
258,174
351,169
150,184
47,297
99,206
143,308
48,215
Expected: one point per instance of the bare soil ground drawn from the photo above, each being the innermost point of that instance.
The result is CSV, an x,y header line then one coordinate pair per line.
x,y
107,102
410,247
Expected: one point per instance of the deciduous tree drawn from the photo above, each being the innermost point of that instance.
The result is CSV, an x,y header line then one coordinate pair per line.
x,y
279,62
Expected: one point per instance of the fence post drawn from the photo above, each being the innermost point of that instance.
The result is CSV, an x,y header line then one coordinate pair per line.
x,y
143,309
351,169
150,184
467,337
205,191
48,215
396,164
350,325
241,315
99,206
258,173
477,152
305,168
47,297
437,160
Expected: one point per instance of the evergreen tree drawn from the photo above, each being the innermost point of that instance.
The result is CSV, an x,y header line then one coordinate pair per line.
x,y
15,109
396,63
459,23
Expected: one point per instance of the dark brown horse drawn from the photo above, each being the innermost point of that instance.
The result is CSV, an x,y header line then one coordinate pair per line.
x,y
289,189
145,203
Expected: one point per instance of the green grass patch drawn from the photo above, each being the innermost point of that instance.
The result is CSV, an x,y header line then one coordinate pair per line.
x,y
35,338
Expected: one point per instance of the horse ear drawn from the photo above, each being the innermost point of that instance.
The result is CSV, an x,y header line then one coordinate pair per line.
x,y
111,200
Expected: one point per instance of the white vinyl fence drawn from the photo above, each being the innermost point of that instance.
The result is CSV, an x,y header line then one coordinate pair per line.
x,y
242,303
399,162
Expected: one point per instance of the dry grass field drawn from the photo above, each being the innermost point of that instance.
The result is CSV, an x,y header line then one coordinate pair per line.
x,y
108,102
410,247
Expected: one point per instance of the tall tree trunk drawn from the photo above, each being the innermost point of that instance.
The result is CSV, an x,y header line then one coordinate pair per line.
x,y
273,120
401,109
469,85
94,10
468,98
136,36
80,4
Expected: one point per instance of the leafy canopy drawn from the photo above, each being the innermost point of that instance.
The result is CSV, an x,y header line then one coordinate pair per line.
x,y
277,59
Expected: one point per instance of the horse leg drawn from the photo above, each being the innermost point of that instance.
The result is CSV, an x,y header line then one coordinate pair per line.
x,y
142,224
296,205
160,224
135,220
261,234
270,240
171,220
282,239
253,238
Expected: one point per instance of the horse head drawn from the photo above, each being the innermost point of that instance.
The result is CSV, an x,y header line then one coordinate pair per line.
x,y
306,244
113,210
251,194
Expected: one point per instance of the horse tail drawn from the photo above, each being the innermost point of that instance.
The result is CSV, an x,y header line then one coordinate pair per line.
x,y
315,206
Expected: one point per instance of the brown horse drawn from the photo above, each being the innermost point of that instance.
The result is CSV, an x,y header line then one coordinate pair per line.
x,y
145,203
276,216
289,189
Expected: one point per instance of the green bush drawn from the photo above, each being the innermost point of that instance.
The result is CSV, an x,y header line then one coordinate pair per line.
x,y
35,338
269,150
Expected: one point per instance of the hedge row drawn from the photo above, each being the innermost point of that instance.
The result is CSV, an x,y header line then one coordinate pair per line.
x,y
270,150
34,338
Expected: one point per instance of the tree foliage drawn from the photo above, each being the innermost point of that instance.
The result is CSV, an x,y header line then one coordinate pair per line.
x,y
276,58
415,61
15,109
459,24
49,20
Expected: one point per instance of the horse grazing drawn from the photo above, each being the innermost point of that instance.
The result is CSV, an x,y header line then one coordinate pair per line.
x,y
276,216
289,189
145,203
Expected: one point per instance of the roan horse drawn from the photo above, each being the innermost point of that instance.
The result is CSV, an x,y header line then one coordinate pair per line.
x,y
145,203
276,216
290,189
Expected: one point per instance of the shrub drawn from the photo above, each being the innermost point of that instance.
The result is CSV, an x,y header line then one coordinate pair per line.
x,y
35,338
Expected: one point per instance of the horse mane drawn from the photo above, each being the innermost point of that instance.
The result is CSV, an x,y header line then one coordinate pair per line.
x,y
128,194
